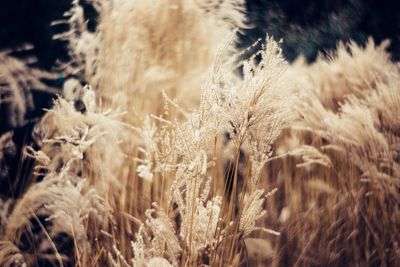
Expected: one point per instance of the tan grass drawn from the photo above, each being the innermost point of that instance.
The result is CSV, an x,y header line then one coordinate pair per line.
x,y
172,159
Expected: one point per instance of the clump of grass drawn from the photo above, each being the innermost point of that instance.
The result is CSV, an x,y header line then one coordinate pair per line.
x,y
174,160
206,227
17,82
195,222
157,46
341,179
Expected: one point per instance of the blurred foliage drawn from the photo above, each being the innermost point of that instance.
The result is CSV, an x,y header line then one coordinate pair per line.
x,y
28,49
308,27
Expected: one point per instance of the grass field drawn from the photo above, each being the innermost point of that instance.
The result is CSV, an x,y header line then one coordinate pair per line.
x,y
181,151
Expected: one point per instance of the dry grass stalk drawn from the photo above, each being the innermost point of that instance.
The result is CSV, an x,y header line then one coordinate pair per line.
x,y
179,178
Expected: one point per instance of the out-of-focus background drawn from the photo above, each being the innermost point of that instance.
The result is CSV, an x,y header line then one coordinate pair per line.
x,y
310,27
307,26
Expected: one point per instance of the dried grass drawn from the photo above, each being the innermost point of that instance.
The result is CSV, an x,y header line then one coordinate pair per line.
x,y
172,159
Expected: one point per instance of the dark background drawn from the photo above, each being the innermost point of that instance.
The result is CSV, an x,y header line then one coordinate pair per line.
x,y
306,26
311,26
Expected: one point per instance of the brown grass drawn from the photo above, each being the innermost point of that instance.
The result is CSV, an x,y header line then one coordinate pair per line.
x,y
173,159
